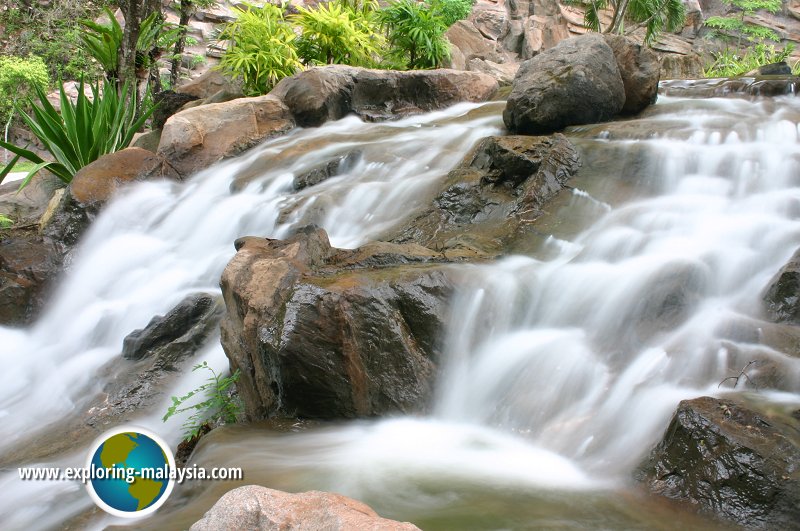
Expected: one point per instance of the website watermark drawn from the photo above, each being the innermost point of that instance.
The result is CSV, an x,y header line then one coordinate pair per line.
x,y
129,472
129,475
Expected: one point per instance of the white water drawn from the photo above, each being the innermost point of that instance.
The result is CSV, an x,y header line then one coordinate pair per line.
x,y
557,375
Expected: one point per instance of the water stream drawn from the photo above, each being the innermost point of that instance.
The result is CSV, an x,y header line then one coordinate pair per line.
x,y
637,289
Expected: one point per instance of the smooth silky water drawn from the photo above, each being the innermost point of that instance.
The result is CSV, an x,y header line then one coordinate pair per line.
x,y
564,360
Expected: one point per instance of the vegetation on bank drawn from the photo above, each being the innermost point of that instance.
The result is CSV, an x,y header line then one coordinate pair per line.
x,y
748,45
216,405
265,44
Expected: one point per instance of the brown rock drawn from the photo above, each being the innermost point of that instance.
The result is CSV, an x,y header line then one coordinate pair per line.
x,y
196,138
28,265
259,508
325,333
639,67
332,92
468,40
209,84
94,184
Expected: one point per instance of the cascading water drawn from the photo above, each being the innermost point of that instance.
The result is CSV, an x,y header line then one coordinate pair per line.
x,y
564,362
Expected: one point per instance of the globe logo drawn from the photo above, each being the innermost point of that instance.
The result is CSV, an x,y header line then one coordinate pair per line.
x,y
131,472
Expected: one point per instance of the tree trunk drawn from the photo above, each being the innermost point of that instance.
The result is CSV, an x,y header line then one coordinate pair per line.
x,y
186,11
132,12
619,17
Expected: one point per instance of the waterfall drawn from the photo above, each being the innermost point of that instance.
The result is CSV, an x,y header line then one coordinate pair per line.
x,y
563,362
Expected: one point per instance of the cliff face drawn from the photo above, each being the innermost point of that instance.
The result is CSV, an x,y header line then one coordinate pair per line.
x,y
500,34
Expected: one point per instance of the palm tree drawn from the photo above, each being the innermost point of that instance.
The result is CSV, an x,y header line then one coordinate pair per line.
x,y
656,16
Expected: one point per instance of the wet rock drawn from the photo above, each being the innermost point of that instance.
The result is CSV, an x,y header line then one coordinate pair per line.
x,y
735,460
253,507
738,87
28,266
196,138
324,333
498,188
576,82
639,68
168,103
177,334
782,296
332,168
94,185
331,92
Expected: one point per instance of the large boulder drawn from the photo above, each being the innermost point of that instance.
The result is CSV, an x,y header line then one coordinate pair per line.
x,y
196,138
782,296
332,92
640,69
259,508
95,184
576,82
324,333
499,188
741,462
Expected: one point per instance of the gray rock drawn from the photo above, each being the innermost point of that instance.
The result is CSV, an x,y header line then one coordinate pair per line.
x,y
782,296
576,82
327,170
178,333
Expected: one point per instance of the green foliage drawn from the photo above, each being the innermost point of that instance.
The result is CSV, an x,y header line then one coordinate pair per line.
x,y
732,26
262,48
656,16
216,405
454,10
82,132
49,31
416,33
5,222
336,33
728,63
19,78
103,41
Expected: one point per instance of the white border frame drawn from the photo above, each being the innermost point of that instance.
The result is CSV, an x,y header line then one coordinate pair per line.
x,y
125,428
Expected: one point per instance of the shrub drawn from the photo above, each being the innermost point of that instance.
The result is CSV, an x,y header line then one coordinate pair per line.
x,y
416,33
334,32
262,48
19,78
454,10
733,26
5,222
728,63
82,132
216,406
103,41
